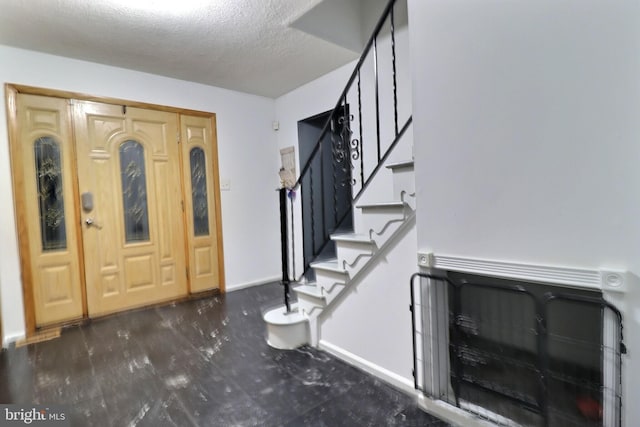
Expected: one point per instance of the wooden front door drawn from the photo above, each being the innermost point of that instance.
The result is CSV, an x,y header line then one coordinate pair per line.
x,y
43,162
116,207
131,206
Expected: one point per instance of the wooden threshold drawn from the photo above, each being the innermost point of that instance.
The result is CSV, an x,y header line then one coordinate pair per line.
x,y
52,332
41,336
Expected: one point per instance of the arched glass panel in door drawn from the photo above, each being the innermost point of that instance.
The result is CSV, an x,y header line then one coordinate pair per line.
x,y
134,192
50,195
199,192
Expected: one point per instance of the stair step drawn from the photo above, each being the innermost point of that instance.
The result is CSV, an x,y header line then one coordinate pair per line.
x,y
331,266
287,331
310,289
352,238
279,316
407,164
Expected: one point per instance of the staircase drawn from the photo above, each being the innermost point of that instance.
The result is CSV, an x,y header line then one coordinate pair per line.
x,y
376,228
363,133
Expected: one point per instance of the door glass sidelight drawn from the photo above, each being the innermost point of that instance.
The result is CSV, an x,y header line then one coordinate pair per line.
x,y
198,144
199,192
42,164
50,194
134,192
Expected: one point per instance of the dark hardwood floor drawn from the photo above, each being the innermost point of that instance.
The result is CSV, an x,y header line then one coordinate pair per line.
x,y
198,363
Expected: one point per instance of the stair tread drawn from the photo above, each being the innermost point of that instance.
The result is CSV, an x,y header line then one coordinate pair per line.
x,y
331,265
400,165
278,316
309,289
351,237
393,204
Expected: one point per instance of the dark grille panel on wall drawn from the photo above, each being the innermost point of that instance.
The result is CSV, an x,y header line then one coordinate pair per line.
x,y
533,354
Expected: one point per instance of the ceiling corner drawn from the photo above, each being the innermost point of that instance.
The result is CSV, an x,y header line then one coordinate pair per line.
x,y
336,21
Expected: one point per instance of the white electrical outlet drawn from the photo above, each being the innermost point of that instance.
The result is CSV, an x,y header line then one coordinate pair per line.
x,y
225,184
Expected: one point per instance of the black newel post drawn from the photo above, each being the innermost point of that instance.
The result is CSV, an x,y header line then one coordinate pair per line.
x,y
284,246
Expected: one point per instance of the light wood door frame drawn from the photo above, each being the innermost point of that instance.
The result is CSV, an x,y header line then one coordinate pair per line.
x,y
11,95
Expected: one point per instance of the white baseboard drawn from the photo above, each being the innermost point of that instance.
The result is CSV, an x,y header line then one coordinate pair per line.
x,y
398,381
231,288
9,339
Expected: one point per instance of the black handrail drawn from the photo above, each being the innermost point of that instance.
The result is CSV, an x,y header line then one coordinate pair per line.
x,y
384,157
344,93
335,137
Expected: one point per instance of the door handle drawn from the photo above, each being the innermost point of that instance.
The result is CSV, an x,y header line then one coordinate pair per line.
x,y
91,223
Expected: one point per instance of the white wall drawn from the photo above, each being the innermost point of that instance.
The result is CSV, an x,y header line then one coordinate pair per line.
x,y
246,147
308,100
371,321
528,138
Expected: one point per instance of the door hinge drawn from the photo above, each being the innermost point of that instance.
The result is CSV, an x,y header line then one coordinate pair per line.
x,y
178,137
186,271
182,204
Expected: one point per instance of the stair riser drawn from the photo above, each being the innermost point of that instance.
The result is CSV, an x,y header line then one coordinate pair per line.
x,y
307,304
333,293
381,227
379,216
353,256
403,181
329,293
325,279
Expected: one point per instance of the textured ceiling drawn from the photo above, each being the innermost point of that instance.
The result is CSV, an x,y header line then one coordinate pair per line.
x,y
244,45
